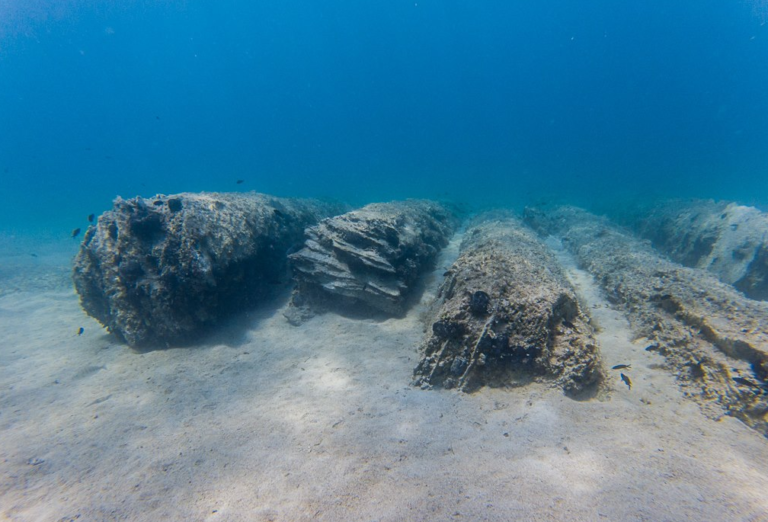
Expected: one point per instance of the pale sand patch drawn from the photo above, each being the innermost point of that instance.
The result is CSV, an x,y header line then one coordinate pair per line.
x,y
265,421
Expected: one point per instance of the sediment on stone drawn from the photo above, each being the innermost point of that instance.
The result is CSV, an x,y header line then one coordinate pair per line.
x,y
725,238
713,338
368,259
160,270
506,314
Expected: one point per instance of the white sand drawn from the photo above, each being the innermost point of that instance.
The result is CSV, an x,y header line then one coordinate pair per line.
x,y
265,421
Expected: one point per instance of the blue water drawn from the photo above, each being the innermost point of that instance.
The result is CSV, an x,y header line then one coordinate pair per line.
x,y
484,102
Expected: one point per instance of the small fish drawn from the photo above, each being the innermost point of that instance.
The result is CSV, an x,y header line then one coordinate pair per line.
x,y
91,217
651,347
240,181
33,254
746,382
80,331
76,232
293,249
626,381
621,366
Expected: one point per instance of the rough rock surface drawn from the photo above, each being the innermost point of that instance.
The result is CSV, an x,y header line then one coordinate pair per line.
x,y
506,314
727,239
368,258
713,338
158,271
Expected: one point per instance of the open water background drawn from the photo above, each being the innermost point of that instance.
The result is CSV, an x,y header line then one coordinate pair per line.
x,y
486,102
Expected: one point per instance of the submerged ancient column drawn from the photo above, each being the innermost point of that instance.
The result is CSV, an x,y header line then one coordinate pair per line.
x,y
160,270
506,314
368,259
727,239
713,338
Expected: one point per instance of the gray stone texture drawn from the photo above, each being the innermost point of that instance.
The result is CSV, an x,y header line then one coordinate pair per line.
x,y
505,315
369,259
161,270
727,239
713,338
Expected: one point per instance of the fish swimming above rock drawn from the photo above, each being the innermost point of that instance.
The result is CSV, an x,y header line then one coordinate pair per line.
x,y
91,217
747,382
75,232
621,366
626,381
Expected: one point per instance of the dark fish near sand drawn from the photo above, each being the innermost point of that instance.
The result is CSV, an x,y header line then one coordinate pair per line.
x,y
91,217
621,366
626,381
80,331
651,347
747,382
76,232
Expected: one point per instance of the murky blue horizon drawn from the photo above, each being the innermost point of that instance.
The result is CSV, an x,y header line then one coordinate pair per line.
x,y
486,103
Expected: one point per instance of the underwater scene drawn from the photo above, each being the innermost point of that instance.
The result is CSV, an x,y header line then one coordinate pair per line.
x,y
383,261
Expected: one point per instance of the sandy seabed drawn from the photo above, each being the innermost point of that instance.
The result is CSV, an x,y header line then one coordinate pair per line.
x,y
264,421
